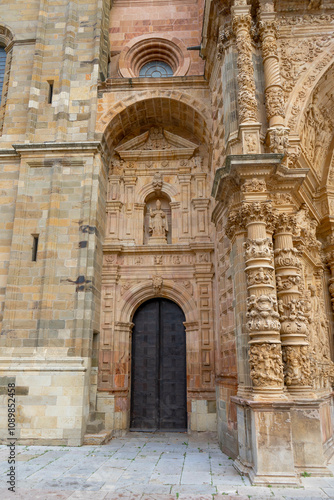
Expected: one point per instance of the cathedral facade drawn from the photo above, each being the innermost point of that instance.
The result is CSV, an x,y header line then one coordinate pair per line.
x,y
167,206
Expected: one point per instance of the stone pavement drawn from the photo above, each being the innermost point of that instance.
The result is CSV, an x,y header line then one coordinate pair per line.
x,y
145,466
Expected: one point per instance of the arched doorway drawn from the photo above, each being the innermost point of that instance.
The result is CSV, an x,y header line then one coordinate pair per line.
x,y
158,374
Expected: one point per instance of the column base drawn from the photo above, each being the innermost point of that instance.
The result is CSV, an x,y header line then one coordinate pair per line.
x,y
287,479
281,439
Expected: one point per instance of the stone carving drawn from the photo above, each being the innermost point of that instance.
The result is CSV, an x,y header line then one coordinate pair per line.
x,y
110,259
293,316
116,166
317,133
158,226
138,260
157,182
293,157
266,365
306,84
234,223
296,56
246,96
319,334
262,313
287,282
286,223
297,370
176,259
203,257
260,247
197,162
251,143
287,257
260,276
125,287
250,213
306,228
156,140
281,198
259,212
225,35
268,33
254,186
279,139
187,284
275,103
157,260
157,282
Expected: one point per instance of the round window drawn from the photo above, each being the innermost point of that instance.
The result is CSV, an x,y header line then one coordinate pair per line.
x,y
156,69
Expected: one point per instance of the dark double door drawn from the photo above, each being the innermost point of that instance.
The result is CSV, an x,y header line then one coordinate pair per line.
x,y
158,387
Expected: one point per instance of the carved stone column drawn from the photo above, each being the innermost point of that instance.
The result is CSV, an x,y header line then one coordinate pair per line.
x,y
293,308
241,23
275,104
330,261
265,356
249,128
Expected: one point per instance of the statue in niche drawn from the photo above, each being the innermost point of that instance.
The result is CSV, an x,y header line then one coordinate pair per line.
x,y
158,227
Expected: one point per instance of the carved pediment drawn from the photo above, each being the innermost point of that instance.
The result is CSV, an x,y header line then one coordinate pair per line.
x,y
156,143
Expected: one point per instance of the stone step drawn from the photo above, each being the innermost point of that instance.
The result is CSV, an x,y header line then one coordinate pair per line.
x,y
102,437
94,427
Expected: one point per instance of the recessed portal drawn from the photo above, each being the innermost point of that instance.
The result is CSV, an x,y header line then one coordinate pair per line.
x,y
158,388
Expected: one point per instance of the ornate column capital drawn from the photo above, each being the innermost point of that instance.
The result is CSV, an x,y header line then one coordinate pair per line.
x,y
286,223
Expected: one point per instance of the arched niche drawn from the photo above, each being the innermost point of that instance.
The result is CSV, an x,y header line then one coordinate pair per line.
x,y
151,207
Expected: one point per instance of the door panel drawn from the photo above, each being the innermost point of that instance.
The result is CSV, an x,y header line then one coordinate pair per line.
x,y
145,388
158,391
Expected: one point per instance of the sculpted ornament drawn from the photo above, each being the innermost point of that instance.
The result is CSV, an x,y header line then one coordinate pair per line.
x,y
297,56
286,223
259,212
250,143
246,95
319,327
275,103
297,370
158,227
306,227
293,316
317,133
282,198
262,313
279,139
157,282
286,257
157,182
260,247
266,365
287,282
254,186
259,276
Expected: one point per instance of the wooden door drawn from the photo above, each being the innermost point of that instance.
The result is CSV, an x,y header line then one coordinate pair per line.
x,y
158,383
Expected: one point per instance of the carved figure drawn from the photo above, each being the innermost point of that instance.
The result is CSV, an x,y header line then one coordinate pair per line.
x,y
158,227
266,365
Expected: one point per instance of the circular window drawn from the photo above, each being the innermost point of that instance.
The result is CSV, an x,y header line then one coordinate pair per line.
x,y
156,69
154,56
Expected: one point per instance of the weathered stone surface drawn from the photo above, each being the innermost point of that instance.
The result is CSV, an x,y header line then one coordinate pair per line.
x,y
212,188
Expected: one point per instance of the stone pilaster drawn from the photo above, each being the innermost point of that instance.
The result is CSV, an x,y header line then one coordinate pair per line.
x,y
293,308
263,326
